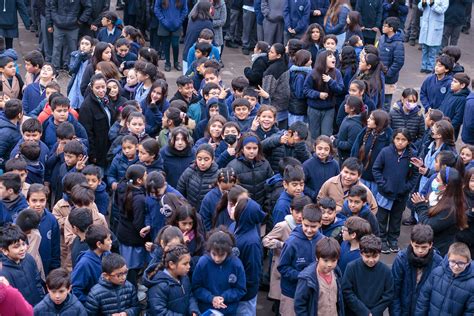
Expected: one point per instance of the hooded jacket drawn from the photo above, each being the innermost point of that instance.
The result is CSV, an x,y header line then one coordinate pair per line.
x,y
49,130
364,213
50,248
298,104
71,307
414,120
118,168
174,165
282,207
273,189
15,206
167,296
335,228
128,230
9,137
68,14
86,274
107,298
433,91
298,252
172,17
35,172
208,207
453,107
226,279
247,239
276,81
317,172
348,132
446,294
194,183
8,14
32,97
43,153
307,292
392,54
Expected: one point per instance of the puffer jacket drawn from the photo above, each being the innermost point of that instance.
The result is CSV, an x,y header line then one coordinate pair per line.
x,y
445,294
414,121
71,307
252,176
276,81
106,298
275,151
194,183
298,104
392,54
348,131
406,288
68,14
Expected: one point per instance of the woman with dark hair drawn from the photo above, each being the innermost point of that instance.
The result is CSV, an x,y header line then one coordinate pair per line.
x,y
335,20
102,52
444,208
321,88
170,14
370,141
313,38
370,70
276,84
199,19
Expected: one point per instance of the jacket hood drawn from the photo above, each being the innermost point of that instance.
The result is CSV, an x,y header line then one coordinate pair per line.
x,y
338,222
329,160
36,168
274,180
101,187
348,213
398,36
309,274
298,233
463,93
250,218
5,123
90,255
466,274
70,301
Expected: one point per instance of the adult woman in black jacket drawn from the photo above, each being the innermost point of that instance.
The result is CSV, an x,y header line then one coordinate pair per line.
x,y
97,116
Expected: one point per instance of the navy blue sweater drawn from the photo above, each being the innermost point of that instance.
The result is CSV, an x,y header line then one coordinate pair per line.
x,y
316,173
102,198
50,250
468,121
174,165
296,15
334,86
49,130
208,207
104,36
453,107
86,274
364,213
432,91
32,96
348,132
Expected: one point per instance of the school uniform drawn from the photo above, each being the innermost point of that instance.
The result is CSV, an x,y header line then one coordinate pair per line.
x,y
33,94
9,137
347,255
15,206
296,16
364,213
174,163
273,188
70,306
49,130
282,207
49,249
414,120
208,207
350,128
104,35
453,107
118,168
275,151
102,198
467,134
86,274
317,172
334,229
433,91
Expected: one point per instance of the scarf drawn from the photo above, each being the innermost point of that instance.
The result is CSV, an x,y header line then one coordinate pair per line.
x,y
255,56
183,153
12,90
418,262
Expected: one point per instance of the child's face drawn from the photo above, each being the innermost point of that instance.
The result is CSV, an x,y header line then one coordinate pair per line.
x,y
218,258
204,160
354,91
37,201
16,251
132,78
47,72
156,95
331,62
471,183
107,54
186,90
180,142
105,21
9,70
250,151
129,150
328,217
215,130
113,89
213,93
212,78
440,69
322,150
370,259
330,44
136,125
346,235
266,120
421,250
294,188
5,193
141,77
122,51
30,68
118,276
252,101
4,99
200,69
214,110
92,181
466,155
349,177
400,141
85,46
22,173
99,88
310,229
50,91
387,29
106,245
363,64
457,263
355,203
71,159
315,34
371,122
241,112
59,296
326,265
60,114
297,216
186,225
144,156
456,85
198,54
182,267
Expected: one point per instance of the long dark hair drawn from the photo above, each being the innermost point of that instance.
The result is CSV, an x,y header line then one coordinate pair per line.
x,y
133,174
202,11
372,77
354,21
320,68
452,198
348,60
358,107
99,48
334,9
226,175
307,38
382,120
445,129
160,83
183,212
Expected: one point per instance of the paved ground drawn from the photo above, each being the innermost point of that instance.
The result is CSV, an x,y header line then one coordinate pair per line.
x,y
235,62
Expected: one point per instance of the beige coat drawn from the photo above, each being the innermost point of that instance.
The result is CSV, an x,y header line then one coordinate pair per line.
x,y
333,188
34,241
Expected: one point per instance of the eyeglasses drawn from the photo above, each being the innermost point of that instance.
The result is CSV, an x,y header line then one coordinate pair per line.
x,y
344,229
120,274
460,264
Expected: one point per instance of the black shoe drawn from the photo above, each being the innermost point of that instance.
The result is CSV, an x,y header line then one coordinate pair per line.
x,y
411,42
162,57
231,44
178,67
394,248
409,221
167,67
385,248
245,51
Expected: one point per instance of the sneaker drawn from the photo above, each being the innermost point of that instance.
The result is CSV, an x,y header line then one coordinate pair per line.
x,y
245,51
167,67
409,221
231,44
385,248
394,248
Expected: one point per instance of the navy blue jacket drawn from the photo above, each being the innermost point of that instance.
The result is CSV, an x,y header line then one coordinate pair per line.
x,y
167,296
102,198
156,165
172,17
14,207
334,87
383,140
372,15
86,274
307,292
392,54
282,207
335,228
226,279
453,107
397,9
35,172
71,307
4,215
23,276
432,91
348,132
341,113
155,215
321,5
174,165
9,17
456,12
364,213
8,138
32,96
298,252
340,25
49,130
407,290
49,249
67,15
467,134
316,172
445,294
247,239
296,15
395,175
103,35
118,168
298,75
195,27
208,207
43,153
153,116
275,151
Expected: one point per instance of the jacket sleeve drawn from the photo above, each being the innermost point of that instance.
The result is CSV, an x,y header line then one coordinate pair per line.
x,y
206,213
23,11
285,266
87,120
86,11
440,6
255,73
398,60
92,305
26,99
265,7
112,173
336,85
224,159
398,274
234,294
286,15
387,295
222,16
378,19
302,300
302,152
48,12
199,287
271,143
351,137
134,309
357,144
458,114
275,233
424,94
438,223
139,212
307,190
424,298
309,90
377,171
350,298
298,87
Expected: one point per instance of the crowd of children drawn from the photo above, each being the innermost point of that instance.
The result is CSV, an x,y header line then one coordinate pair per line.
x,y
117,198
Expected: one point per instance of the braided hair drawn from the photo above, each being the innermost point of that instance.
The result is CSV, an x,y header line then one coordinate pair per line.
x,y
173,254
382,121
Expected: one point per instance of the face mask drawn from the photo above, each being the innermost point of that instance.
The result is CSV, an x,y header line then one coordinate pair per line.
x,y
410,106
230,139
436,186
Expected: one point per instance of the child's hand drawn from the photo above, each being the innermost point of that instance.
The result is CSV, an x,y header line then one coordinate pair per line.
x,y
332,138
422,170
417,162
81,164
284,138
417,198
262,93
255,124
326,78
323,95
120,314
149,246
275,244
223,93
50,29
114,186
144,231
93,28
60,148
231,151
218,302
292,31
316,12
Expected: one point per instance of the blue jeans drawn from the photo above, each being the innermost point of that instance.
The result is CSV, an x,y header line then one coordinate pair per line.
x,y
296,118
428,56
247,308
320,122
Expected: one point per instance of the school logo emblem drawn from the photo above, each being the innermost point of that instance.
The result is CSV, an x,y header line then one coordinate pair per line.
x,y
232,278
443,90
48,235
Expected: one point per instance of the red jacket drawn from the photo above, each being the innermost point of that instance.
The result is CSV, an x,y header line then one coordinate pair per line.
x,y
12,302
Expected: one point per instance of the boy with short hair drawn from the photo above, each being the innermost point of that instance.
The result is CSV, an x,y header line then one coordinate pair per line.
x,y
60,300
30,151
298,252
185,91
12,199
113,294
319,290
198,111
206,36
354,229
293,183
449,288
94,180
20,167
412,268
202,49
10,135
331,221
60,107
80,219
367,284
435,86
35,92
18,266
356,205
455,53
87,271
238,84
34,62
12,84
251,95
455,100
31,130
241,109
